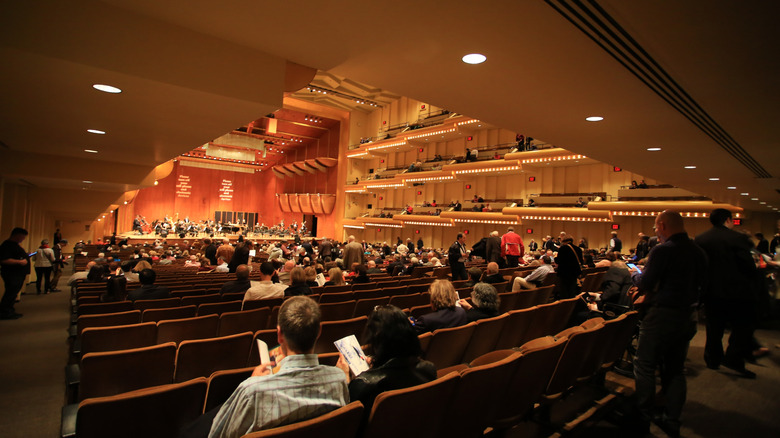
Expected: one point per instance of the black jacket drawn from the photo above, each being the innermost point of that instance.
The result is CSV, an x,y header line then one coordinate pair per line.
x,y
397,373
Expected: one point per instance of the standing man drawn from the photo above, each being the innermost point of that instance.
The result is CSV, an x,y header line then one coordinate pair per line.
x,y
512,247
210,251
326,250
15,267
673,278
569,260
58,264
493,249
57,236
457,257
730,296
615,244
352,253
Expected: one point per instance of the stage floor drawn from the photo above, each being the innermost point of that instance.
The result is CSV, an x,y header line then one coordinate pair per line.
x,y
134,238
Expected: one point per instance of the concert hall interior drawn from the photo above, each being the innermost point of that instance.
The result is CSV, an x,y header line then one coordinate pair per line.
x,y
331,119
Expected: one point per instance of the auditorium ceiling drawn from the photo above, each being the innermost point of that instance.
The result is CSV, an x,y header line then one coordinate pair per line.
x,y
696,79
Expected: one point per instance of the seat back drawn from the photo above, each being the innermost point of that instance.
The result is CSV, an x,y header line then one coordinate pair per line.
x,y
626,328
337,311
448,345
485,337
336,297
98,308
543,323
197,300
268,302
222,383
575,358
394,290
268,336
417,311
201,357
515,328
534,369
508,301
123,337
242,321
417,288
163,303
364,307
232,296
363,286
368,293
343,422
114,372
177,330
218,308
422,409
158,412
108,319
502,287
408,301
339,288
334,330
156,315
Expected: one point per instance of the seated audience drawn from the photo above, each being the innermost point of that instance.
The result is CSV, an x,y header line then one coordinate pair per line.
x,y
298,284
361,275
205,265
394,352
192,262
372,269
222,265
301,388
474,275
240,284
310,273
148,291
265,288
80,275
486,301
535,278
615,284
284,274
116,290
445,312
491,274
335,277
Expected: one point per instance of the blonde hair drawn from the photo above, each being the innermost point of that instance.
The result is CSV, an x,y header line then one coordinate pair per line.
x,y
442,294
336,276
140,266
297,275
310,273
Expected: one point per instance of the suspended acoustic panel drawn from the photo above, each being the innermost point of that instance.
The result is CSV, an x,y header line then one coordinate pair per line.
x,y
284,202
326,161
328,202
312,165
294,205
278,172
291,167
304,201
283,170
301,165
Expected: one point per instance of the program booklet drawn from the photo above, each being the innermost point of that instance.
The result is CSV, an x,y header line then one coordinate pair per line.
x,y
353,354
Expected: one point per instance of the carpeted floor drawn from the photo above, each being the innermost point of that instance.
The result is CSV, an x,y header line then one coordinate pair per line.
x,y
35,351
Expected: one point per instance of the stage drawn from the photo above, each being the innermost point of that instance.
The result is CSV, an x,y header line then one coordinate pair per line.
x,y
135,239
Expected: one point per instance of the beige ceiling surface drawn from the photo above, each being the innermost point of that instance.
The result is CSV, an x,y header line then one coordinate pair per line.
x,y
197,69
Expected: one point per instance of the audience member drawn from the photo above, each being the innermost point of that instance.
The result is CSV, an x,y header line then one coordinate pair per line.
x,y
372,269
474,275
148,291
457,257
240,285
394,351
284,274
361,275
80,276
486,302
15,267
445,313
222,265
491,274
310,274
265,288
335,277
535,278
512,247
116,289
298,284
43,260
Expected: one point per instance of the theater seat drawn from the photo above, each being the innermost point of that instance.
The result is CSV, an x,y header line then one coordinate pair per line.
x,y
201,357
343,423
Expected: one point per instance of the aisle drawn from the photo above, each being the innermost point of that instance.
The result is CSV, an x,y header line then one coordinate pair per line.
x,y
33,354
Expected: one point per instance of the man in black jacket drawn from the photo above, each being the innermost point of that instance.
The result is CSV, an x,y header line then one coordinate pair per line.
x,y
457,258
730,297
493,249
210,251
148,291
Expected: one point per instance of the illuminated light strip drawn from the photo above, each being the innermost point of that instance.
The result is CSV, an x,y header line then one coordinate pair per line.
x,y
566,218
362,154
383,186
546,159
428,134
433,224
656,213
485,221
355,226
391,145
431,178
489,169
354,191
467,122
383,225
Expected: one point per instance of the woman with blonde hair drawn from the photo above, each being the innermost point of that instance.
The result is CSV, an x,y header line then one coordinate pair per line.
x,y
297,283
446,313
335,277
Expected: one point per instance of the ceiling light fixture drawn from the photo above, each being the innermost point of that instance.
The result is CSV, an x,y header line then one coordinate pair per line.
x,y
745,194
106,88
714,179
91,151
594,118
653,149
754,199
762,203
731,188
96,131
690,167
87,182
474,58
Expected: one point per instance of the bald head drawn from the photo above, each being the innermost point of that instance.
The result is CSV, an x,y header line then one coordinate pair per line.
x,y
494,234
668,223
242,273
492,268
289,265
351,239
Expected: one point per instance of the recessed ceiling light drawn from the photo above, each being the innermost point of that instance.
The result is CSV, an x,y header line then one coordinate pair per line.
x,y
690,167
745,194
87,182
653,149
95,131
474,58
106,88
594,118
91,151
762,203
754,199
731,188
714,179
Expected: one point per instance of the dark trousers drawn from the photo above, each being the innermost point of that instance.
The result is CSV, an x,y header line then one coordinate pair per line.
x,y
664,337
201,427
13,284
567,286
459,271
741,316
512,261
45,275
